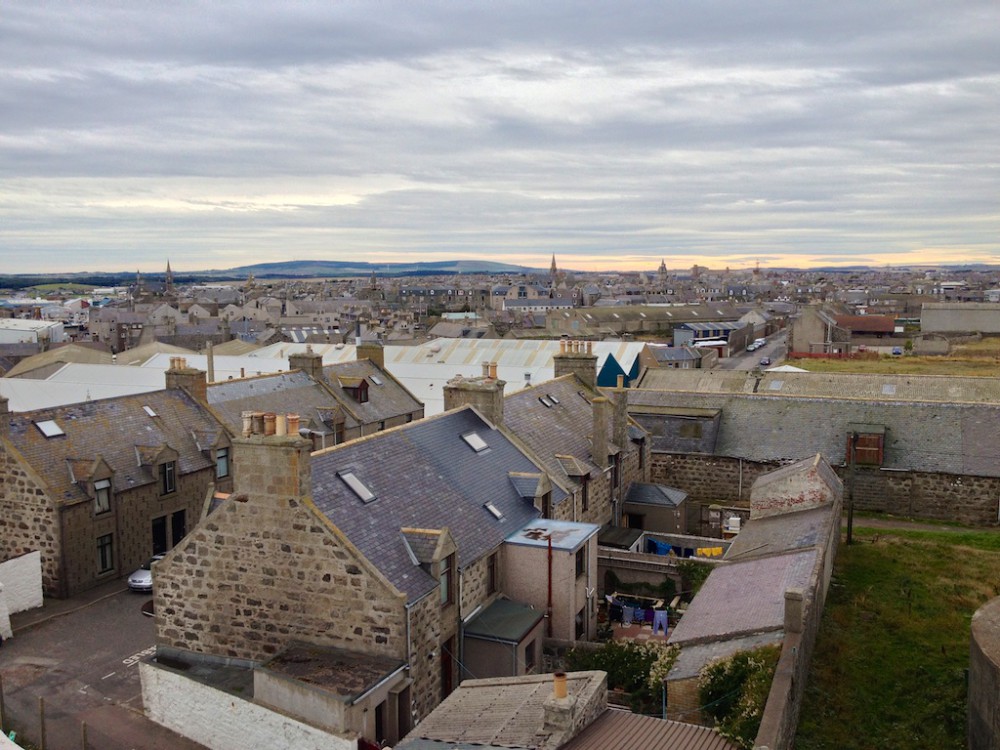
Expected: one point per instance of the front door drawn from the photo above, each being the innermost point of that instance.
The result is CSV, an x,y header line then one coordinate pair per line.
x,y
160,544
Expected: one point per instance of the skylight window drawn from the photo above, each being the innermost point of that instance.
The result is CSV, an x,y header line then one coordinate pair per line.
x,y
49,428
358,487
552,398
149,410
475,442
494,510
545,402
775,385
375,379
888,389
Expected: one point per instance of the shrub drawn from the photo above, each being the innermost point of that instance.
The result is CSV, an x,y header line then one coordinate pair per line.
x,y
734,690
635,668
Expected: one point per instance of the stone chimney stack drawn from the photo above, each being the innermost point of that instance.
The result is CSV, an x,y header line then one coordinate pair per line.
x,y
578,358
309,362
210,360
372,351
4,416
485,393
620,421
190,379
559,708
599,439
794,610
271,465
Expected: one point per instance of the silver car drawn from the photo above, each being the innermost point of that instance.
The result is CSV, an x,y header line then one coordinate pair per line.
x,y
142,579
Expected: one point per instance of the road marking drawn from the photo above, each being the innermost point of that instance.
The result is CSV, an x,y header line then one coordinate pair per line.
x,y
109,674
139,656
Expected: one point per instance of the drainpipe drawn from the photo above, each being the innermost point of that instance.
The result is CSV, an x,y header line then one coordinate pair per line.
x,y
549,613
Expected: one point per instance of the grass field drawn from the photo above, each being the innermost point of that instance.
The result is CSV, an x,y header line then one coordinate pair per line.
x,y
889,666
67,287
979,364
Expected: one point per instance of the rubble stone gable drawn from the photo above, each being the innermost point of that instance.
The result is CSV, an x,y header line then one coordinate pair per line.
x,y
256,575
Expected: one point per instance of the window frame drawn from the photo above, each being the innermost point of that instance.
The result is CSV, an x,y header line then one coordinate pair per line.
x,y
102,492
222,457
492,574
446,581
581,561
168,477
105,554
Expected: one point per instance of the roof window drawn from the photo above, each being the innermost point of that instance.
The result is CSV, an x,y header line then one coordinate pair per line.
x,y
494,510
545,402
358,487
375,379
49,428
475,442
552,398
149,411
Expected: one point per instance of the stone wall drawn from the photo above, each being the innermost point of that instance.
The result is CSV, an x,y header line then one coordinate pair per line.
x,y
474,584
984,678
28,521
430,628
946,497
22,581
225,721
803,613
259,574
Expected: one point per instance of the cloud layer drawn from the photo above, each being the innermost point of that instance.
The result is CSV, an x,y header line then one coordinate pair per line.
x,y
217,133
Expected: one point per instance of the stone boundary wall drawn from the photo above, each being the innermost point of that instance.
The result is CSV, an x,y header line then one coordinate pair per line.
x,y
966,499
22,582
984,678
224,721
784,701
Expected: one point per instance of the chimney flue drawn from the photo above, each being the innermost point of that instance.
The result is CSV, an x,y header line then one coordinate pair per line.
x,y
559,685
493,370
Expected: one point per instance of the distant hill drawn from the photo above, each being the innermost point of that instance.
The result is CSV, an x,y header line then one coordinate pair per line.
x,y
320,268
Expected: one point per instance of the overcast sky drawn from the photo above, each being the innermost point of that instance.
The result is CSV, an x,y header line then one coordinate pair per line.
x,y
611,134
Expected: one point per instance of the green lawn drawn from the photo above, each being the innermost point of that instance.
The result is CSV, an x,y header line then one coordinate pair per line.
x,y
889,666
972,365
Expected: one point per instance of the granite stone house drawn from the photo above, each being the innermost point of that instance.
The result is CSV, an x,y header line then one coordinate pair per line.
x,y
99,486
588,445
406,559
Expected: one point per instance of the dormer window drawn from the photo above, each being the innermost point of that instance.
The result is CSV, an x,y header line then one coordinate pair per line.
x,y
102,496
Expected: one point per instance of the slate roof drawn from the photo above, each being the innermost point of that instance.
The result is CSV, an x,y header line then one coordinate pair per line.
x,y
558,431
694,657
951,438
283,393
386,399
785,532
424,475
860,386
644,493
114,429
722,608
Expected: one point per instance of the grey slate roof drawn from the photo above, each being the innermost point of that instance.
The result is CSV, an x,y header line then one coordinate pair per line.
x,y
424,476
785,532
722,608
655,494
385,401
563,429
118,430
951,438
866,386
284,393
693,658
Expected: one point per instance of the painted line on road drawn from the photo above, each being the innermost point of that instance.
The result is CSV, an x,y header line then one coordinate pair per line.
x,y
109,674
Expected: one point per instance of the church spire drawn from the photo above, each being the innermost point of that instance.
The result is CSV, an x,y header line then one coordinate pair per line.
x,y
169,278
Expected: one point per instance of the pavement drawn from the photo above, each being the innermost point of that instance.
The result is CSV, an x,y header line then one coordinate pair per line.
x,y
81,656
